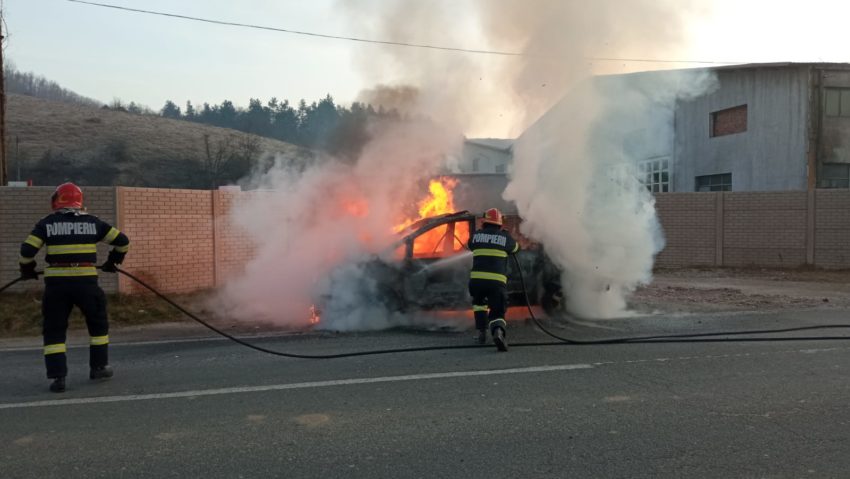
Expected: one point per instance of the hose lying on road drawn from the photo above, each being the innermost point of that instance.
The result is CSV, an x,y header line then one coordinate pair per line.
x,y
688,338
672,338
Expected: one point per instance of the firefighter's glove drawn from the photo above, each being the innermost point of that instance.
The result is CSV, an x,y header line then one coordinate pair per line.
x,y
28,271
115,258
109,267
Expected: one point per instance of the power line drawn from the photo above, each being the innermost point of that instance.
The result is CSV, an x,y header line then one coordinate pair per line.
x,y
296,32
383,42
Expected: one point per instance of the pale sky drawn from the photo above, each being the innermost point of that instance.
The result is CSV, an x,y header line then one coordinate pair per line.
x,y
105,53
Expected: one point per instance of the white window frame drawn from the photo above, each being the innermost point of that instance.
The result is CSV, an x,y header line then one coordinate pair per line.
x,y
650,173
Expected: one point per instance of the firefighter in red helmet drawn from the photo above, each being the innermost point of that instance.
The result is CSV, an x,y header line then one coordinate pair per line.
x,y
488,280
70,236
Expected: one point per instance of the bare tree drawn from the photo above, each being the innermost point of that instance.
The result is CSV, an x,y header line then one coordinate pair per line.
x,y
226,159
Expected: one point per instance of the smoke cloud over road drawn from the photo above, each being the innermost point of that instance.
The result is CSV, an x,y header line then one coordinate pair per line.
x,y
574,177
313,228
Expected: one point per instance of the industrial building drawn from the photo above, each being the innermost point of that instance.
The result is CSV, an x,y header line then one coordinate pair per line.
x,y
760,127
766,127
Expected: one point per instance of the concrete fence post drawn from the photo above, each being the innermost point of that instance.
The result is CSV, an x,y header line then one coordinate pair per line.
x,y
216,249
118,193
718,228
810,227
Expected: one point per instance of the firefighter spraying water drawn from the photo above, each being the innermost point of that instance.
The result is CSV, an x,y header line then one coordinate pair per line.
x,y
488,280
70,279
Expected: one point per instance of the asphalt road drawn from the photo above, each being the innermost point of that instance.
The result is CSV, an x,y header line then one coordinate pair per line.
x,y
210,408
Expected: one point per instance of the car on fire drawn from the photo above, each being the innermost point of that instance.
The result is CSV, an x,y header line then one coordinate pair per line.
x,y
428,267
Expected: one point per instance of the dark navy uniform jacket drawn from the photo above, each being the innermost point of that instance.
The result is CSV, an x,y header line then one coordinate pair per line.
x,y
71,238
490,248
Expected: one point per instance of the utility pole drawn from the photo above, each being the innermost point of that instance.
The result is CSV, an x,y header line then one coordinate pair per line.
x,y
4,175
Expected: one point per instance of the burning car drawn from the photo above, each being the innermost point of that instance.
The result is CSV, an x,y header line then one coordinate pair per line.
x,y
428,267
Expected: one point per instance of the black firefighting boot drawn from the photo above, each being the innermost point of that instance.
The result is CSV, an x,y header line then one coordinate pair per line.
x,y
58,385
499,339
481,338
102,372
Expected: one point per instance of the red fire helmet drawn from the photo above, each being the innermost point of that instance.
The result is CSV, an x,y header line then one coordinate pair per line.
x,y
67,195
493,216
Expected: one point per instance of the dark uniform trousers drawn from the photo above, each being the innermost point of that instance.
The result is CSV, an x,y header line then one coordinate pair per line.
x,y
488,295
60,296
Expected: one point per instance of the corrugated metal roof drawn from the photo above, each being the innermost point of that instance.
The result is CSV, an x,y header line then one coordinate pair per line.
x,y
745,66
502,144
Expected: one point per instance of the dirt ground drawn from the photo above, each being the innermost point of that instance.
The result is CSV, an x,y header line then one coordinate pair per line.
x,y
699,290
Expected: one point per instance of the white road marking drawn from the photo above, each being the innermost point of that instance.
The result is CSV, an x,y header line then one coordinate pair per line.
x,y
283,387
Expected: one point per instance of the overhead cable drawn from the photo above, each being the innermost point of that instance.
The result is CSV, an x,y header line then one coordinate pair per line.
x,y
386,42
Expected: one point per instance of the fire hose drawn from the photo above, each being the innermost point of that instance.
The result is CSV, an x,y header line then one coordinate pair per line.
x,y
671,338
683,338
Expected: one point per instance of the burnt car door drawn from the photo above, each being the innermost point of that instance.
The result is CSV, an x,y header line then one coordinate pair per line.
x,y
437,263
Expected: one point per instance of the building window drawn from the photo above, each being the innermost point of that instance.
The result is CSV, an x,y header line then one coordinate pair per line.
x,y
835,175
729,121
475,164
721,182
836,102
654,174
500,168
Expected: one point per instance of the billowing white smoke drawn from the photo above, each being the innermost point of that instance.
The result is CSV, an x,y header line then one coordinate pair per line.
x,y
575,185
314,229
574,179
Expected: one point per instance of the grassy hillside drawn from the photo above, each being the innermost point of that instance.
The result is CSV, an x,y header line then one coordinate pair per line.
x,y
59,141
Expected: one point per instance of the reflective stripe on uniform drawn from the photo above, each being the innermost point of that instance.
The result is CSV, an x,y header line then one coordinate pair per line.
x,y
485,275
477,308
25,260
34,241
70,272
99,340
111,235
122,249
516,248
72,248
498,323
54,348
490,252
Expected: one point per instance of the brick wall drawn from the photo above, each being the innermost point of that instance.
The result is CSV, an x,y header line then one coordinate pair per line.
x,y
832,229
729,121
171,238
233,246
689,223
183,240
765,229
772,229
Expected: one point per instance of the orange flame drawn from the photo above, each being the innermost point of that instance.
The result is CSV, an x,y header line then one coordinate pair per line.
x,y
315,318
445,239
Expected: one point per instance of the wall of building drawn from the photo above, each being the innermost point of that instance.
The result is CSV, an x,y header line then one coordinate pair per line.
x,y
771,154
835,137
480,158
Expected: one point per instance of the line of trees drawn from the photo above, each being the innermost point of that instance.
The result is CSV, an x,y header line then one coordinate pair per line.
x,y
322,124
